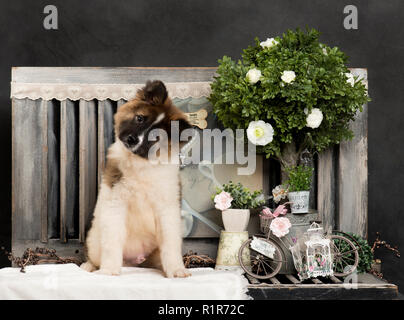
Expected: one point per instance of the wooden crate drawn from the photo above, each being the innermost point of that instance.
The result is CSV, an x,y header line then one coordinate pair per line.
x,y
58,152
290,288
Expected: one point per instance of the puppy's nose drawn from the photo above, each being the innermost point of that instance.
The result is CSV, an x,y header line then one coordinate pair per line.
x,y
131,140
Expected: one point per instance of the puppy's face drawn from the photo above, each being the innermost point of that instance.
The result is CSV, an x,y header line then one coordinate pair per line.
x,y
151,109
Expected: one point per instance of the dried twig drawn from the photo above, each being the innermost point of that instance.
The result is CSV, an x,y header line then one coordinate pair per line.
x,y
378,243
38,256
193,260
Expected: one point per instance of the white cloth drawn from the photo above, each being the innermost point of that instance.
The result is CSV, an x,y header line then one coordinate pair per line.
x,y
68,281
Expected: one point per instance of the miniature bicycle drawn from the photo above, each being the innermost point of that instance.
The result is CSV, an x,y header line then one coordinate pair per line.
x,y
265,266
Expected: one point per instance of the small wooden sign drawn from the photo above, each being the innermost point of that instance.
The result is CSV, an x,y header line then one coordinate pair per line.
x,y
198,118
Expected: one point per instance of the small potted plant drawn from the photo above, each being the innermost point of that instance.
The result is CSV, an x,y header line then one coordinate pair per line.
x,y
235,202
299,188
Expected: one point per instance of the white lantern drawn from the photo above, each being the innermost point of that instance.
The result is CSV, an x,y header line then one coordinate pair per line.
x,y
318,253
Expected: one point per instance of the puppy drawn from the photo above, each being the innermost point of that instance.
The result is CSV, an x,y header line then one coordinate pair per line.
x,y
137,217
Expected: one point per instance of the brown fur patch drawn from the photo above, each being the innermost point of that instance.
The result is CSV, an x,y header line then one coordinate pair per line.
x,y
112,174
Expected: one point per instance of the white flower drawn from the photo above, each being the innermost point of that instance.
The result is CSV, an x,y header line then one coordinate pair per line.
x,y
325,51
288,76
350,78
315,118
253,75
260,132
279,193
268,43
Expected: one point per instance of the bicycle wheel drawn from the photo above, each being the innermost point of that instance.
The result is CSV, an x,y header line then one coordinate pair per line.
x,y
346,257
258,265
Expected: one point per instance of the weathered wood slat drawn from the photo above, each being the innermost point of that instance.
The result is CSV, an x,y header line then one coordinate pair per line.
x,y
69,179
121,102
292,278
105,132
50,181
316,281
335,279
326,182
110,75
28,152
88,164
274,280
353,174
43,111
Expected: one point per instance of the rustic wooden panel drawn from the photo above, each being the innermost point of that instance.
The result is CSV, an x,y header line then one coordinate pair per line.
x,y
353,174
88,164
29,147
326,181
69,180
382,291
105,132
51,185
110,75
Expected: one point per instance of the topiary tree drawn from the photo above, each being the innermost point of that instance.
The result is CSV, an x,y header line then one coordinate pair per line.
x,y
301,89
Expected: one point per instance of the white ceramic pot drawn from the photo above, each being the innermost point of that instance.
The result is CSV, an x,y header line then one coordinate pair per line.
x,y
236,220
300,201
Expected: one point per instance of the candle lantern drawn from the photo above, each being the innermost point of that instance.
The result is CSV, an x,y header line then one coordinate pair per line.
x,y
318,253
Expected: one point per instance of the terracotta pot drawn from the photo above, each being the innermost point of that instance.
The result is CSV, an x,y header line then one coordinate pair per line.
x,y
236,220
300,201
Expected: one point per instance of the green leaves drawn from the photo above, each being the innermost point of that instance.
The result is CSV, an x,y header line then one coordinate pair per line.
x,y
299,178
320,83
365,253
243,198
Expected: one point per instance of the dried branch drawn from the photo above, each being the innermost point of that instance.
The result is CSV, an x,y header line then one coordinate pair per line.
x,y
378,243
38,256
193,260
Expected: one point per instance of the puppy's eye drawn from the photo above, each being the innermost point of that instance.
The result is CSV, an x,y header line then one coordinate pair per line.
x,y
140,118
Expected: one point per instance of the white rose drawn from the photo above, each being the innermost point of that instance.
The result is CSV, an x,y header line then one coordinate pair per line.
x,y
315,118
350,78
288,76
260,133
253,75
268,43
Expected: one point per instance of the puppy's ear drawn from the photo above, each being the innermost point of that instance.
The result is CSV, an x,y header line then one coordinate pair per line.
x,y
154,92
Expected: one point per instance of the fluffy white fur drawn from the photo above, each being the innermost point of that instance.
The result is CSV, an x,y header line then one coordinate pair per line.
x,y
138,218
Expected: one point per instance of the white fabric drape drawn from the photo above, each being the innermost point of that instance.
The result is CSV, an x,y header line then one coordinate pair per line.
x,y
68,281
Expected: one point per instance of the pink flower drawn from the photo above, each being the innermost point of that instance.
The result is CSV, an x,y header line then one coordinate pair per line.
x,y
223,201
280,210
266,212
280,226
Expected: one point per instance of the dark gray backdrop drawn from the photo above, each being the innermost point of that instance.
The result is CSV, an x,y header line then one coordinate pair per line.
x,y
197,33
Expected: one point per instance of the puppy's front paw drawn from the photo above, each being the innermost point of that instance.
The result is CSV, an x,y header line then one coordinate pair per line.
x,y
110,271
178,273
87,266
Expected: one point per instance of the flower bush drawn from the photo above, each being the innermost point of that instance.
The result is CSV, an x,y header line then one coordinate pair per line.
x,y
235,196
299,86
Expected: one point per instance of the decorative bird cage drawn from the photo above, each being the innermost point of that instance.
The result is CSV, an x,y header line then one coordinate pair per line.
x,y
318,253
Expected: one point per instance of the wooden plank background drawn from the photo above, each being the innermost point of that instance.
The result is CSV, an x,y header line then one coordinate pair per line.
x,y
59,153
343,178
